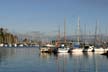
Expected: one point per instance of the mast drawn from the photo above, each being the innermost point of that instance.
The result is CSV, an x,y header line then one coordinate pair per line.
x,y
72,31
59,34
85,35
65,30
78,33
95,33
58,38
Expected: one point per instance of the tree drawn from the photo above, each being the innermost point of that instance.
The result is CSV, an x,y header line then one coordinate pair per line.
x,y
1,35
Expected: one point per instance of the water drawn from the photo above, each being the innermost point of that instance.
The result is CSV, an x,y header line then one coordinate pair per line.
x,y
31,60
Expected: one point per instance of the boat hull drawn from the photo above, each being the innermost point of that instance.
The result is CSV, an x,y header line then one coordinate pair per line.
x,y
76,50
63,50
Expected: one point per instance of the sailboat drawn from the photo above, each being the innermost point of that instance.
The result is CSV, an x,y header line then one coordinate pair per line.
x,y
63,48
77,50
49,47
87,46
100,49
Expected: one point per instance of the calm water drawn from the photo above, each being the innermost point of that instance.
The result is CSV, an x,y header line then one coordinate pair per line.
x,y
31,60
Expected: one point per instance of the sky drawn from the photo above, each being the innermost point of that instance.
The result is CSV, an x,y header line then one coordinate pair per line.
x,y
46,15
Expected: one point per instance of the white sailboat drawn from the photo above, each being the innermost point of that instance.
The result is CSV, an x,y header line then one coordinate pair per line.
x,y
77,50
100,49
88,48
1,45
63,48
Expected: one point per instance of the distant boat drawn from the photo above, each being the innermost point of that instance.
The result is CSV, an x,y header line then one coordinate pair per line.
x,y
101,49
21,45
63,49
9,45
88,48
47,48
15,45
1,45
106,53
76,48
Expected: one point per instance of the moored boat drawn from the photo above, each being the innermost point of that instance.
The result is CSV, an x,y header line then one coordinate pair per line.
x,y
47,48
63,50
88,48
75,50
101,49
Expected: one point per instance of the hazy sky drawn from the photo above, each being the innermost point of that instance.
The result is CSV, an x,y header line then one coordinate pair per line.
x,y
47,15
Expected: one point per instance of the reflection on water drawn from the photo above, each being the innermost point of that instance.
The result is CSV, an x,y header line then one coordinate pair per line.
x,y
31,60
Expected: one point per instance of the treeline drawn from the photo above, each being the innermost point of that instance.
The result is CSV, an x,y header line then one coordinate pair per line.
x,y
7,37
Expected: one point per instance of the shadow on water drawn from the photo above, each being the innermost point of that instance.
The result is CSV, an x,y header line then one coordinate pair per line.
x,y
106,56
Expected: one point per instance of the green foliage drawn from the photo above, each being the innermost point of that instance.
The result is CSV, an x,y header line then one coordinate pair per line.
x,y
6,37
